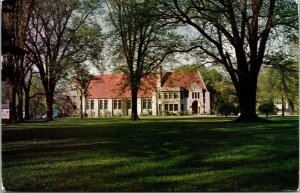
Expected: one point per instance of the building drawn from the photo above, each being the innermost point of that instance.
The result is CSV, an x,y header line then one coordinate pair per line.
x,y
5,111
160,94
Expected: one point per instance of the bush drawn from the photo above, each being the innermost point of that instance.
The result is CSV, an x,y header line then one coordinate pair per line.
x,y
226,109
266,108
183,113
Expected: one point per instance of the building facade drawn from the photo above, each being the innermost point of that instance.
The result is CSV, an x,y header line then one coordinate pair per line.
x,y
167,93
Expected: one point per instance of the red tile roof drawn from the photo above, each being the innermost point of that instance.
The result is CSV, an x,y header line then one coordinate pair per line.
x,y
114,85
182,79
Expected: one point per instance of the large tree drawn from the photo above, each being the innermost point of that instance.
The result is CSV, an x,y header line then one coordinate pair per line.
x,y
141,39
283,70
235,33
14,25
56,34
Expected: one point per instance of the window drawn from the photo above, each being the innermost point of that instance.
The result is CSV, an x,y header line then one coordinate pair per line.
x,y
92,104
175,107
166,95
117,104
171,107
105,104
159,95
147,104
195,95
171,95
128,104
144,104
175,95
87,104
166,107
100,104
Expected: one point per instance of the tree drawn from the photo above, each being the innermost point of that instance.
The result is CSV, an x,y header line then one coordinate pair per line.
x,y
14,25
235,33
285,70
56,34
266,107
80,80
37,103
141,39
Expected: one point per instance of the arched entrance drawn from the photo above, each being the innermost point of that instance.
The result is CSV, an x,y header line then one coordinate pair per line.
x,y
195,107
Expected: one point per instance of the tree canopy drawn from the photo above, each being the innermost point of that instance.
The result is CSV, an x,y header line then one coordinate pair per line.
x,y
235,33
142,41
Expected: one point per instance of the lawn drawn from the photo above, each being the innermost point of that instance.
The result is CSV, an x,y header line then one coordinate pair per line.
x,y
154,154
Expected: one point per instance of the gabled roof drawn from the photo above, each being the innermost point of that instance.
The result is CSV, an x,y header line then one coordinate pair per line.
x,y
115,86
182,79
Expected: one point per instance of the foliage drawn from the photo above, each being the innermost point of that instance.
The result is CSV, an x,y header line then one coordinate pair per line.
x,y
61,31
14,67
141,41
227,109
234,34
266,108
279,80
177,154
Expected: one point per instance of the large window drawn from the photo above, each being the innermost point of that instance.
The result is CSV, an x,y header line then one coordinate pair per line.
x,y
103,104
171,107
195,95
117,104
147,104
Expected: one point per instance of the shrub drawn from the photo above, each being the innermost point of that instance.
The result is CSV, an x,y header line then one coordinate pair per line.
x,y
226,109
266,108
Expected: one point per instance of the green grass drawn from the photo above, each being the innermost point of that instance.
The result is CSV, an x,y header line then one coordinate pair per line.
x,y
154,154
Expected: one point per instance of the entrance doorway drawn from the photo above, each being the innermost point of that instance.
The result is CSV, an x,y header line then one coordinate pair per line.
x,y
195,108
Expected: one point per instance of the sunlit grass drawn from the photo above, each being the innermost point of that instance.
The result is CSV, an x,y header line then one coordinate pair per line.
x,y
154,154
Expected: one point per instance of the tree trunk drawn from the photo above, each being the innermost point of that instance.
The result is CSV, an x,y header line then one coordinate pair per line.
x,y
12,104
27,104
81,107
246,92
282,97
134,113
49,102
20,104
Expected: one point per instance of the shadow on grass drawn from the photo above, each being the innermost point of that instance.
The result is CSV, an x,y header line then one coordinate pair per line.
x,y
177,154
